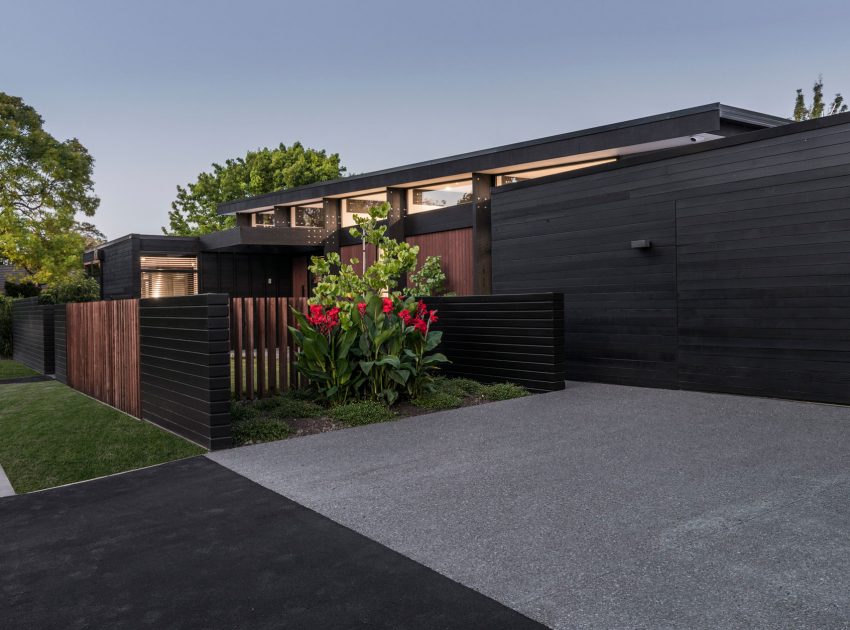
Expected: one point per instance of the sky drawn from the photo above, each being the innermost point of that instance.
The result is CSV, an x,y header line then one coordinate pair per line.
x,y
157,91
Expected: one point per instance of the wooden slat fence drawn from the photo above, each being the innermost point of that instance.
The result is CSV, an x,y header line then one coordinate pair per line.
x,y
263,351
103,352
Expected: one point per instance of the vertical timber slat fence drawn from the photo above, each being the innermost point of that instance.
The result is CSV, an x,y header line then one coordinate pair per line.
x,y
102,357
263,349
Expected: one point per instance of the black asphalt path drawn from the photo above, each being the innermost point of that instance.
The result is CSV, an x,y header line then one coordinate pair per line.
x,y
191,544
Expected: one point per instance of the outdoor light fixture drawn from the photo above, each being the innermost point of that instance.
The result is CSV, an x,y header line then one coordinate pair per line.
x,y
643,243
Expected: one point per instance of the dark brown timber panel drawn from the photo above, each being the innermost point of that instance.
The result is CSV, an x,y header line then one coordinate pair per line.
x,y
32,334
185,366
102,341
454,247
493,338
746,288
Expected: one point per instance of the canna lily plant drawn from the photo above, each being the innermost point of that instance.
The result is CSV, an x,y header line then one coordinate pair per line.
x,y
363,337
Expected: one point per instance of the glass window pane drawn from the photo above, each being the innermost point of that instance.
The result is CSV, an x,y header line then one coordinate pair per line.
x,y
309,216
521,176
168,276
360,206
263,219
438,196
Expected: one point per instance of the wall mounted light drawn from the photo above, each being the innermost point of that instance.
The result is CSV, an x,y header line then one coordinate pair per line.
x,y
643,243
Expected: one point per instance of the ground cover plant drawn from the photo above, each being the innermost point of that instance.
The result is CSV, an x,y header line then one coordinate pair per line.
x,y
294,414
53,435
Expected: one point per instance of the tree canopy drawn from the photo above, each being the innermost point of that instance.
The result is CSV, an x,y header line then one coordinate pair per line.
x,y
261,171
44,185
819,107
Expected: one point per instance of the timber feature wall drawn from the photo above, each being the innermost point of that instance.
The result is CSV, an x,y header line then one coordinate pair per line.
x,y
745,285
494,338
185,366
32,334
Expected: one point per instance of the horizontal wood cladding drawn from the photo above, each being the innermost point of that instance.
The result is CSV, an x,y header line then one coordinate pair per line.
x,y
32,334
516,338
185,366
60,345
120,274
620,303
746,286
764,289
245,275
455,250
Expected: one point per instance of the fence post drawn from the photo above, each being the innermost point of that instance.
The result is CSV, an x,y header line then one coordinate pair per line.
x,y
185,366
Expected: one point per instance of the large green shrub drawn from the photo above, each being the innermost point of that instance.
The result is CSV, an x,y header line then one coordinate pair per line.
x,y
21,288
74,288
5,326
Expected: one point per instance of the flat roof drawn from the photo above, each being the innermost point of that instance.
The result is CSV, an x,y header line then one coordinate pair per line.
x,y
714,117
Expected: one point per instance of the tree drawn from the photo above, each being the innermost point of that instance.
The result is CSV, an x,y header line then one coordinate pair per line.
x,y
262,171
819,108
44,184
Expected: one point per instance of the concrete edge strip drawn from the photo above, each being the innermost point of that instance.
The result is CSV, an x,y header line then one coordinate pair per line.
x,y
6,489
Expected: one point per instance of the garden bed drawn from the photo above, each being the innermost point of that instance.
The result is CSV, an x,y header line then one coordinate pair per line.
x,y
296,413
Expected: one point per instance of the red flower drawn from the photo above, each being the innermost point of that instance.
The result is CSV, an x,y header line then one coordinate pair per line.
x,y
405,316
420,325
388,305
325,322
362,308
432,316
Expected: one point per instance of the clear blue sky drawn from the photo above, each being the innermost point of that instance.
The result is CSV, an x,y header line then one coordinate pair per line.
x,y
159,90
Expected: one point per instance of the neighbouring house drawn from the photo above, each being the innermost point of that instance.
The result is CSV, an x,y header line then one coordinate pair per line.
x,y
707,248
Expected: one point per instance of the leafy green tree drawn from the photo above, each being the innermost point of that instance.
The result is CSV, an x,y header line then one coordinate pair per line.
x,y
819,107
44,185
262,171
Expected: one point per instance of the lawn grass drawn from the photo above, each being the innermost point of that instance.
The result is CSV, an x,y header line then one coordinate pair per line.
x,y
52,435
13,369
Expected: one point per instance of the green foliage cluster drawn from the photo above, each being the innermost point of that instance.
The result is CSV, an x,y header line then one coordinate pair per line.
x,y
5,326
503,391
338,281
373,347
76,287
45,184
21,288
265,420
259,429
362,412
438,400
262,171
364,338
819,106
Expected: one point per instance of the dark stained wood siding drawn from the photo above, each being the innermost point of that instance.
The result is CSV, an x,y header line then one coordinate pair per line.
x,y
300,276
746,287
185,366
455,250
245,275
60,343
120,274
496,338
347,252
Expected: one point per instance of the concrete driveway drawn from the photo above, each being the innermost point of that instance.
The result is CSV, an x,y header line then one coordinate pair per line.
x,y
601,506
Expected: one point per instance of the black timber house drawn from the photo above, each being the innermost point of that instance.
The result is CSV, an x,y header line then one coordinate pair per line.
x,y
707,248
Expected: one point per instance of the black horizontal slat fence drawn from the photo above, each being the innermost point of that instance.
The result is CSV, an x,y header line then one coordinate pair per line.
x,y
32,334
185,366
493,338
